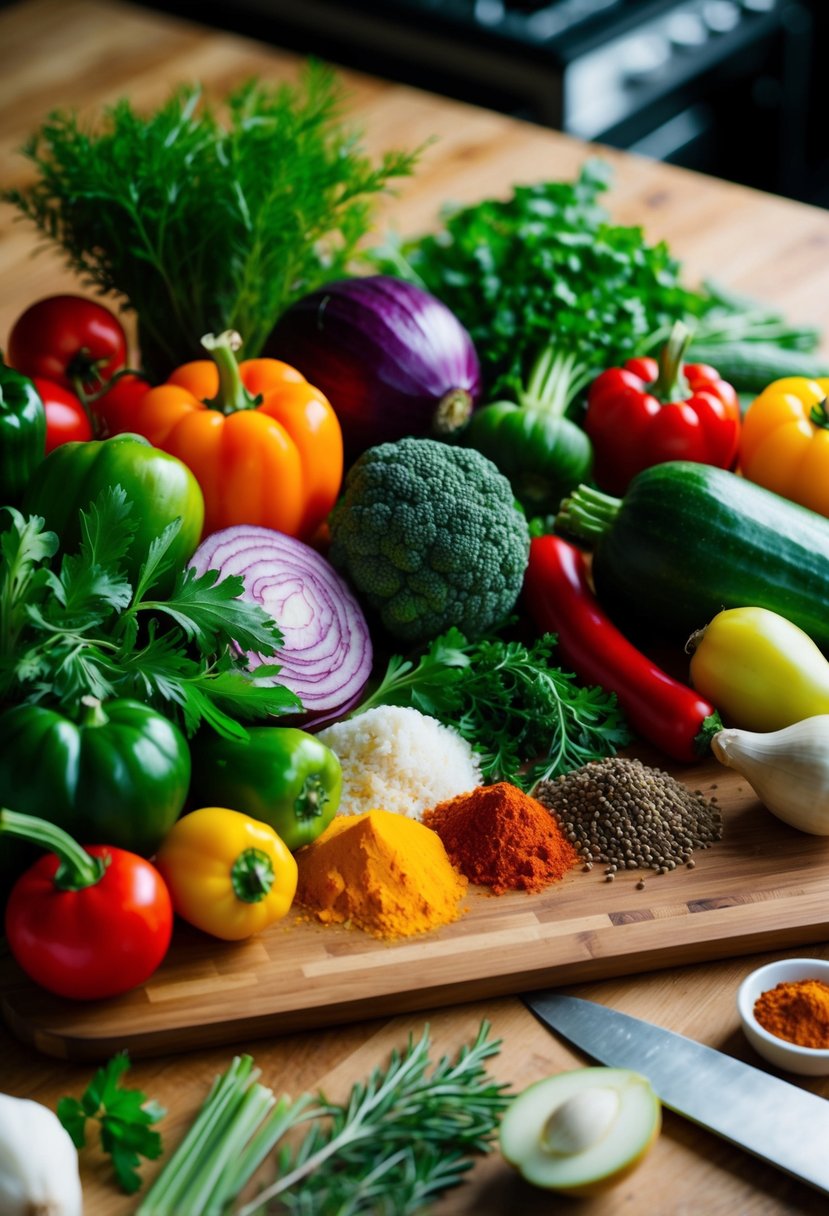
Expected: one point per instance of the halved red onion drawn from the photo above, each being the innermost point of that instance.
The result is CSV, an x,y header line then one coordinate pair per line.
x,y
391,358
327,656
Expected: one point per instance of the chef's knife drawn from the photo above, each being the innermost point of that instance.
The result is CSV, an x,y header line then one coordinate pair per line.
x,y
777,1121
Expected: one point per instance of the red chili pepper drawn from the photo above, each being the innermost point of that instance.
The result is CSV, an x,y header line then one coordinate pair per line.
x,y
559,598
85,923
647,412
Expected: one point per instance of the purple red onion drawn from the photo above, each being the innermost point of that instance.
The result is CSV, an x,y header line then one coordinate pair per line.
x,y
391,358
327,656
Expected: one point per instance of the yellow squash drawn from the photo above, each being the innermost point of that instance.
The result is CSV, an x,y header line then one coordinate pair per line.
x,y
761,671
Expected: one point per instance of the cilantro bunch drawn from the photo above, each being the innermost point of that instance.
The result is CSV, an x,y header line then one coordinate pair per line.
x,y
527,719
78,627
546,271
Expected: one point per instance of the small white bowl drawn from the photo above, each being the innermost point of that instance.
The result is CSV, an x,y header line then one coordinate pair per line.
x,y
809,1061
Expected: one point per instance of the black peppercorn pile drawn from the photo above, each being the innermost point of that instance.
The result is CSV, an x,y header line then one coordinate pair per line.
x,y
630,816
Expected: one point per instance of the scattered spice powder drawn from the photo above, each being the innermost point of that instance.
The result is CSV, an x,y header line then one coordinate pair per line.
x,y
383,872
502,838
797,1012
630,816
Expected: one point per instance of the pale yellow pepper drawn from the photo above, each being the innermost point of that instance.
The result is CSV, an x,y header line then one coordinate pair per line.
x,y
761,671
784,442
227,874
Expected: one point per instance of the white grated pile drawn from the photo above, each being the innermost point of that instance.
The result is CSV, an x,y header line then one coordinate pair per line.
x,y
398,759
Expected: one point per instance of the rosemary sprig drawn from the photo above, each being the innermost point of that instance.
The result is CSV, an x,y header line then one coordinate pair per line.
x,y
200,224
402,1138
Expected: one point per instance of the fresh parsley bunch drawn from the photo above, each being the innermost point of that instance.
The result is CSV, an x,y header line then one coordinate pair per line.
x,y
547,269
81,628
124,1116
527,719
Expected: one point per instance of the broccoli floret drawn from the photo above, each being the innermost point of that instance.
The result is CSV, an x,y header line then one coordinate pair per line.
x,y
429,536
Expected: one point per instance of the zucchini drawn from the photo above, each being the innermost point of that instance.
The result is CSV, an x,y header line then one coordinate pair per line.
x,y
688,540
751,366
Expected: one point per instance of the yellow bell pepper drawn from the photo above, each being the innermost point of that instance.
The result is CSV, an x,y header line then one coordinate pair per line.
x,y
761,671
228,874
784,443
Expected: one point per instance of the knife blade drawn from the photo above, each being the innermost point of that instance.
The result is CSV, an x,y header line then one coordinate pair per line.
x,y
776,1121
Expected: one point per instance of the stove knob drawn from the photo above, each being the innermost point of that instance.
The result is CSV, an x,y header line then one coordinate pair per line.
x,y
644,57
686,31
721,16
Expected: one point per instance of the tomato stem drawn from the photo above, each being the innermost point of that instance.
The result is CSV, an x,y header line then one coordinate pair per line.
x,y
77,869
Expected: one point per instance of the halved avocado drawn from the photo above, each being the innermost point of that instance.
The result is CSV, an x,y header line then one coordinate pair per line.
x,y
581,1131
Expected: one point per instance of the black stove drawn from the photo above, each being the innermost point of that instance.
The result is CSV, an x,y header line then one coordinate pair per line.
x,y
724,86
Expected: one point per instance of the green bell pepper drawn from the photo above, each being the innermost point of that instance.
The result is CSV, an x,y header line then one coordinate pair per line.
x,y
542,451
543,456
117,776
160,487
22,433
280,775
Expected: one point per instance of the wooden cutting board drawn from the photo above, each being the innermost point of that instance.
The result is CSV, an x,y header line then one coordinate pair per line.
x,y
763,886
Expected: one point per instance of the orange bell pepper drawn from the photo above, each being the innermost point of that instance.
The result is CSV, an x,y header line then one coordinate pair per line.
x,y
784,445
265,445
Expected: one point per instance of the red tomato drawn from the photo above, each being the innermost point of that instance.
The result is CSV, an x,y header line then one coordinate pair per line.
x,y
114,410
68,339
95,942
66,419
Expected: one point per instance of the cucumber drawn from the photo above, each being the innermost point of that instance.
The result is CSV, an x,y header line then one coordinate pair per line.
x,y
688,540
751,366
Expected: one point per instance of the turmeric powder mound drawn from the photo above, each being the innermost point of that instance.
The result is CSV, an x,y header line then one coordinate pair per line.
x,y
502,838
383,872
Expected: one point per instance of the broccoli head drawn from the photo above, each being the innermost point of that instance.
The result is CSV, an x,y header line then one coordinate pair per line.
x,y
429,536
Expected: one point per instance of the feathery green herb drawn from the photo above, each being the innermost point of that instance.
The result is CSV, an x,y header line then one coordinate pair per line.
x,y
401,1139
82,629
527,719
203,225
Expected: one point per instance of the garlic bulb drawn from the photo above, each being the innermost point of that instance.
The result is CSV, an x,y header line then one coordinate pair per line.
x,y
38,1162
788,769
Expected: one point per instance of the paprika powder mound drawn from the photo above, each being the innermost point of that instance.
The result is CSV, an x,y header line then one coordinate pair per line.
x,y
502,838
383,872
796,1011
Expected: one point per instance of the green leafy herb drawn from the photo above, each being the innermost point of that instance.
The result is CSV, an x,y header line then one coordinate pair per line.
x,y
526,718
125,1117
547,269
552,292
401,1139
83,629
203,226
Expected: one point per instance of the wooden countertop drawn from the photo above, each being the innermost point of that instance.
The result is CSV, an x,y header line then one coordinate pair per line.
x,y
85,53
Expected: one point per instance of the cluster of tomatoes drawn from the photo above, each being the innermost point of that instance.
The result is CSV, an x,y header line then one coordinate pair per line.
x,y
75,352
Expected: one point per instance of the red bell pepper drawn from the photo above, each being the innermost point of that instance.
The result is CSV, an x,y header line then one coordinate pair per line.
x,y
660,709
85,923
647,412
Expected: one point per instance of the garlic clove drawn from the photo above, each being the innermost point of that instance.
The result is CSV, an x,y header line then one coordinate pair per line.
x,y
38,1162
788,769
